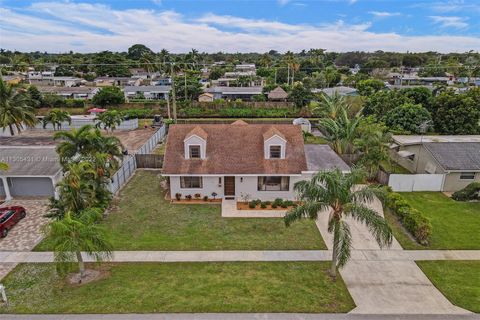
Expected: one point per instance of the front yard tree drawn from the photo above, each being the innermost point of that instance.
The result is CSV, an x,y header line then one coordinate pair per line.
x,y
109,96
109,120
15,111
73,234
338,195
369,86
56,117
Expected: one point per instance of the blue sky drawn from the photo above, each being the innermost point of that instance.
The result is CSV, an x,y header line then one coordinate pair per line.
x,y
240,25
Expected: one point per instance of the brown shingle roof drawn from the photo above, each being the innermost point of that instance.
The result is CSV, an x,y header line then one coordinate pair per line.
x,y
272,131
235,149
197,131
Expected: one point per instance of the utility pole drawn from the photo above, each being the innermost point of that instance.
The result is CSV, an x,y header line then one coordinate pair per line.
x,y
174,99
275,75
185,84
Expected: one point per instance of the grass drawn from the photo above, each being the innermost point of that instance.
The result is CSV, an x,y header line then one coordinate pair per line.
x,y
143,220
180,287
455,224
393,167
160,149
459,281
311,139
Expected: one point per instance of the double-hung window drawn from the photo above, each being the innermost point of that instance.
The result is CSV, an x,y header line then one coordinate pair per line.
x,y
194,152
191,182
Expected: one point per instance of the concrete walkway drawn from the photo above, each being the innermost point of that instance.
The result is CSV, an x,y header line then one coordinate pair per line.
x,y
386,282
373,256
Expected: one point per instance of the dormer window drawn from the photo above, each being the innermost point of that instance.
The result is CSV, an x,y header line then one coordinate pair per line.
x,y
275,152
194,152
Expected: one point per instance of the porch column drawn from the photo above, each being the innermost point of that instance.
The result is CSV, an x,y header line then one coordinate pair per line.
x,y
8,196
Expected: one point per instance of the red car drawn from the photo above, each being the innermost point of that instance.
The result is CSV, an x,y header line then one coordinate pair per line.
x,y
9,216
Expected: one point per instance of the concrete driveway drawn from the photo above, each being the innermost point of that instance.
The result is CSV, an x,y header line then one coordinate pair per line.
x,y
386,287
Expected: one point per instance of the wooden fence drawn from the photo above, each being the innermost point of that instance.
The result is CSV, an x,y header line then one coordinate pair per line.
x,y
150,161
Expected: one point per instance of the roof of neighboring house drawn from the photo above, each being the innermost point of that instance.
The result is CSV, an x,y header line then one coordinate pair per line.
x,y
67,90
234,149
235,90
321,157
155,89
456,155
341,90
30,161
406,140
206,94
277,93
11,77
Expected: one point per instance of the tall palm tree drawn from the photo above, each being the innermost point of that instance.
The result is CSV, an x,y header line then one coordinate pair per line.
x,y
333,106
15,111
56,117
73,234
341,132
373,143
337,192
74,142
109,120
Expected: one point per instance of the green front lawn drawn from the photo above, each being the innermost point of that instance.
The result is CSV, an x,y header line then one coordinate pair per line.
x,y
180,287
459,281
143,220
455,225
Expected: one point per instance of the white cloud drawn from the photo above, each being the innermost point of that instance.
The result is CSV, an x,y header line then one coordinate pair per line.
x,y
283,2
84,27
446,22
384,14
157,2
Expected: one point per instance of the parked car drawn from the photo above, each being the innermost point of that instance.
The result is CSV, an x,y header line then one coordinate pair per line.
x,y
9,216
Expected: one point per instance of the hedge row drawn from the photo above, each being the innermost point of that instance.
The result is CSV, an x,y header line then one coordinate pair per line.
x,y
411,218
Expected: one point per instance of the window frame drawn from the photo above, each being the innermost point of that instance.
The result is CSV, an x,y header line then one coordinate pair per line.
x,y
262,183
190,185
469,174
279,151
190,151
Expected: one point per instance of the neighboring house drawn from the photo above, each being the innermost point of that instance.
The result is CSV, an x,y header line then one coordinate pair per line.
x,y
205,97
233,93
12,79
238,160
47,80
341,90
149,92
456,157
32,172
277,94
116,81
72,92
167,81
401,80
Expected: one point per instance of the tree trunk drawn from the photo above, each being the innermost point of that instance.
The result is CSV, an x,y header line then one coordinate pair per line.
x,y
333,268
11,129
81,265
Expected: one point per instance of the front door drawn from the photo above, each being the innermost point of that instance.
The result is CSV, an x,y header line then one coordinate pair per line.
x,y
229,187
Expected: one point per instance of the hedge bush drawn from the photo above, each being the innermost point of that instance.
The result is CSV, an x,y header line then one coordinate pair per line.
x,y
469,193
412,219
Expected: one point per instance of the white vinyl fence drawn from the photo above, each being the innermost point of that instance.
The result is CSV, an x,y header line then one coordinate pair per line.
x,y
129,163
416,182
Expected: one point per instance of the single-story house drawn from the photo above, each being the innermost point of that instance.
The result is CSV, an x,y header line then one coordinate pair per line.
x,y
205,97
241,160
456,157
149,92
278,94
56,81
70,92
116,81
33,171
233,93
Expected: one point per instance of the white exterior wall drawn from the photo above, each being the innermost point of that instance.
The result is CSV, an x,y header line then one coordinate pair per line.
x,y
243,185
195,140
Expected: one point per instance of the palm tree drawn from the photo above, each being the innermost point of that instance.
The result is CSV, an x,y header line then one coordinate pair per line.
x,y
73,234
109,120
74,142
341,132
338,193
333,106
14,109
56,117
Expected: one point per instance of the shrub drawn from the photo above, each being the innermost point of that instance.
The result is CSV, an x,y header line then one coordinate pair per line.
x,y
412,219
278,201
263,205
284,205
288,203
252,204
470,192
274,205
188,197
178,196
205,198
268,203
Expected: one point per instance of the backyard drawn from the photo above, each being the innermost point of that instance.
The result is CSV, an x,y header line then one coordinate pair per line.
x,y
459,281
180,287
141,219
455,224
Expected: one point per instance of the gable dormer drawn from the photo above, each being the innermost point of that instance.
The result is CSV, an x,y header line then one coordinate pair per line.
x,y
195,144
274,143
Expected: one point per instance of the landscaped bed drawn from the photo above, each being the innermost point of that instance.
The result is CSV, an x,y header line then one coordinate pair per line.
x,y
277,204
180,287
459,281
142,219
455,224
